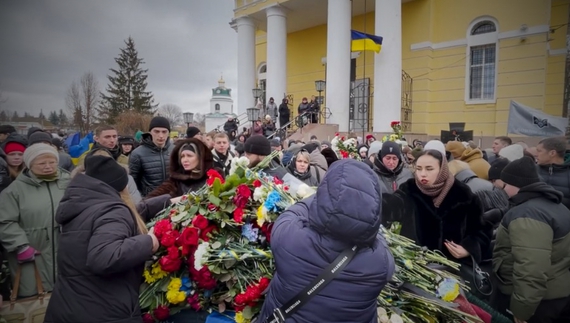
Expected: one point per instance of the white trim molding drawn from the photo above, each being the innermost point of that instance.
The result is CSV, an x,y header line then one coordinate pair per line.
x,y
557,52
353,55
490,38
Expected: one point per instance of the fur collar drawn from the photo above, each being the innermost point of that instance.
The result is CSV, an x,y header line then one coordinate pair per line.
x,y
460,194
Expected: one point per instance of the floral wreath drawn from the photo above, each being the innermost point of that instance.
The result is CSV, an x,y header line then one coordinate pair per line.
x,y
397,135
345,148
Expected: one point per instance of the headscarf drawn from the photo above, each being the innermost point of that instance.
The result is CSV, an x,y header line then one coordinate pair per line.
x,y
439,189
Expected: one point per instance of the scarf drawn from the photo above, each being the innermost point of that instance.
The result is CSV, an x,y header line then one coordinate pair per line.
x,y
46,178
439,189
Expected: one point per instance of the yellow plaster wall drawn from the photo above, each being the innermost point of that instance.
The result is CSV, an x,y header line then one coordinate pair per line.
x,y
555,69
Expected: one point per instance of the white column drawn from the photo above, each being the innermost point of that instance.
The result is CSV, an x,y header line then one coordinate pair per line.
x,y
276,53
388,65
246,64
338,62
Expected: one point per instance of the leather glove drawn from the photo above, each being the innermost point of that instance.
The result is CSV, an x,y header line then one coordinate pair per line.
x,y
26,254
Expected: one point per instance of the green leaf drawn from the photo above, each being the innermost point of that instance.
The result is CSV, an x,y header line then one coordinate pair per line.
x,y
203,211
247,313
225,277
214,200
193,209
216,245
216,187
179,217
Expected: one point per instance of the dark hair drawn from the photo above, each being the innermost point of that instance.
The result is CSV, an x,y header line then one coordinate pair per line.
x,y
556,144
434,153
102,128
505,140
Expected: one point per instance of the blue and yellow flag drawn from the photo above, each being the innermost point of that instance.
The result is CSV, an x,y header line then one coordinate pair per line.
x,y
364,42
81,149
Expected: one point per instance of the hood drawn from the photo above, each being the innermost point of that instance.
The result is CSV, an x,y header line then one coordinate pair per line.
x,y
84,192
30,179
348,204
464,175
176,170
456,148
147,141
471,154
115,151
512,152
537,190
319,159
382,170
14,137
555,167
3,158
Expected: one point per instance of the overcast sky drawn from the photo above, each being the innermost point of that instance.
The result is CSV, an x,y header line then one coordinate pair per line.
x,y
48,44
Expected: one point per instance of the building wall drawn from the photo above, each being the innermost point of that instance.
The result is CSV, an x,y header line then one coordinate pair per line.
x,y
226,104
554,93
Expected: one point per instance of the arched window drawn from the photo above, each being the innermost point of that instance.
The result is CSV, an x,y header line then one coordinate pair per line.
x,y
217,107
482,59
262,71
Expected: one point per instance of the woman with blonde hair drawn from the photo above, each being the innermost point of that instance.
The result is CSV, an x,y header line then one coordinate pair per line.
x,y
300,167
103,247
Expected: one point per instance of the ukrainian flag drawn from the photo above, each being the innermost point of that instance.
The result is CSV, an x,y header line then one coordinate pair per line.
x,y
364,42
81,149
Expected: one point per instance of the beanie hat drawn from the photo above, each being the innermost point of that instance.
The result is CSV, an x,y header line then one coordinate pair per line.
x,y
330,156
520,173
107,170
7,129
416,152
497,167
275,143
512,152
375,147
33,130
326,143
32,152
191,132
391,148
312,146
39,136
57,143
14,146
435,145
368,137
456,148
159,122
258,145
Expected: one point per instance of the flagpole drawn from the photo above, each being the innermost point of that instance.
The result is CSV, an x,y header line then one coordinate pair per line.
x,y
366,87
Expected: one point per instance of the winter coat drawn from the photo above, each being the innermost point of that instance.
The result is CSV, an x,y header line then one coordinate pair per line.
x,y
230,126
5,179
272,110
115,153
257,130
392,179
148,164
284,114
308,237
65,161
458,218
303,107
531,258
27,217
557,176
222,164
474,157
268,128
476,184
101,252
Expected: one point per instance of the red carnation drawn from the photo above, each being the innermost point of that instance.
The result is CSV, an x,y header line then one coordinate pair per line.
x,y
277,181
194,302
187,250
336,134
170,264
204,279
169,238
257,183
200,222
266,229
342,138
238,215
161,227
286,188
212,175
243,193
189,237
173,252
147,318
263,283
161,313
204,234
212,207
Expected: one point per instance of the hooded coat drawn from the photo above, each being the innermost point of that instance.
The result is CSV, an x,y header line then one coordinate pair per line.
x,y
101,257
148,164
346,210
5,179
474,157
181,182
392,179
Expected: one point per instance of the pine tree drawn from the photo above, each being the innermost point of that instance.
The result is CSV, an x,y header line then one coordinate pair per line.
x,y
26,115
15,116
54,118
62,117
41,116
126,90
3,116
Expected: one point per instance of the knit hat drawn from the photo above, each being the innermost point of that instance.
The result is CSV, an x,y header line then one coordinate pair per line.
x,y
107,170
39,137
14,146
312,146
368,137
32,152
326,143
57,143
191,132
159,122
375,147
7,129
435,145
416,152
391,148
456,148
512,152
497,167
258,145
275,143
520,173
32,130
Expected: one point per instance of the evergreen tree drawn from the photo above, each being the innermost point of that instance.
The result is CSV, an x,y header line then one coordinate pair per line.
x,y
41,116
15,116
54,118
26,115
3,116
62,117
126,90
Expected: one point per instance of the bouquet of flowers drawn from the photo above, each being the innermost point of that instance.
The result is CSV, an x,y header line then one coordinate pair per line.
x,y
345,148
214,245
397,136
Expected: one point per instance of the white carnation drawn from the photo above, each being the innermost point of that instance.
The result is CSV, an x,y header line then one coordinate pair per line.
x,y
199,255
238,162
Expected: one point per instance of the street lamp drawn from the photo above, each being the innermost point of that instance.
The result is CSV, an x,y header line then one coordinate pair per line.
x,y
257,93
188,118
253,115
320,86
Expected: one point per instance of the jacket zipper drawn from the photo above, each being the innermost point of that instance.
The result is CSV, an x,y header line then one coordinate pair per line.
x,y
52,234
163,166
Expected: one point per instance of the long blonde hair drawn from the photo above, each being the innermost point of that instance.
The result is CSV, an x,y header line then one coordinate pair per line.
x,y
125,196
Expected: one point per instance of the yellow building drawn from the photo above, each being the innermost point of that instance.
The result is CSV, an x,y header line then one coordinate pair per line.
x,y
444,60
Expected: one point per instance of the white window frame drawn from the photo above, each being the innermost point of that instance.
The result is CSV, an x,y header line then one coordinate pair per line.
x,y
475,41
217,107
262,75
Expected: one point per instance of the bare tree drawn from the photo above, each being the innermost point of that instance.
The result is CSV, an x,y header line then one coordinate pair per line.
x,y
129,122
81,100
200,119
171,112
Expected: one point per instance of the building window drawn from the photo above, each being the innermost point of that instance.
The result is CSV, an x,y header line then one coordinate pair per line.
x,y
482,59
217,107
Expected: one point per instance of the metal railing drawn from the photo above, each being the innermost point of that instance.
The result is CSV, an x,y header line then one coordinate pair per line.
x,y
297,123
240,120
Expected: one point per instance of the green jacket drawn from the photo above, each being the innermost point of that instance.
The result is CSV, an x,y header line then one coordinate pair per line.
x,y
531,250
27,217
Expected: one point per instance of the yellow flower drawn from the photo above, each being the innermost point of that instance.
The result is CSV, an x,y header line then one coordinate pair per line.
x,y
239,317
175,296
175,284
261,214
157,272
148,278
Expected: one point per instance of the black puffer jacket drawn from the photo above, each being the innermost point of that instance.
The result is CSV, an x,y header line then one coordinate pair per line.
x,y
557,176
148,164
101,257
5,179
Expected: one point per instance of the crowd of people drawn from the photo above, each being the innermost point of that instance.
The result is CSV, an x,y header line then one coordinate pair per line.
x,y
79,231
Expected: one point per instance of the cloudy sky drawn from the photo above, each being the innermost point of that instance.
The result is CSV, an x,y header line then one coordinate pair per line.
x,y
46,45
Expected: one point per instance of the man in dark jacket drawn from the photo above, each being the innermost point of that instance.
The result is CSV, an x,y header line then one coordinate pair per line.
x,y
256,148
148,164
5,131
5,179
230,125
530,259
551,167
221,153
64,158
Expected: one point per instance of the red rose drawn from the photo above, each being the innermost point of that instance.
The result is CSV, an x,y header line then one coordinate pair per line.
x,y
189,237
161,227
188,250
263,284
194,302
170,264
257,183
173,252
212,207
286,188
205,279
147,318
336,134
344,154
200,222
184,198
238,215
342,138
266,229
169,238
212,175
243,190
204,234
161,313
277,181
